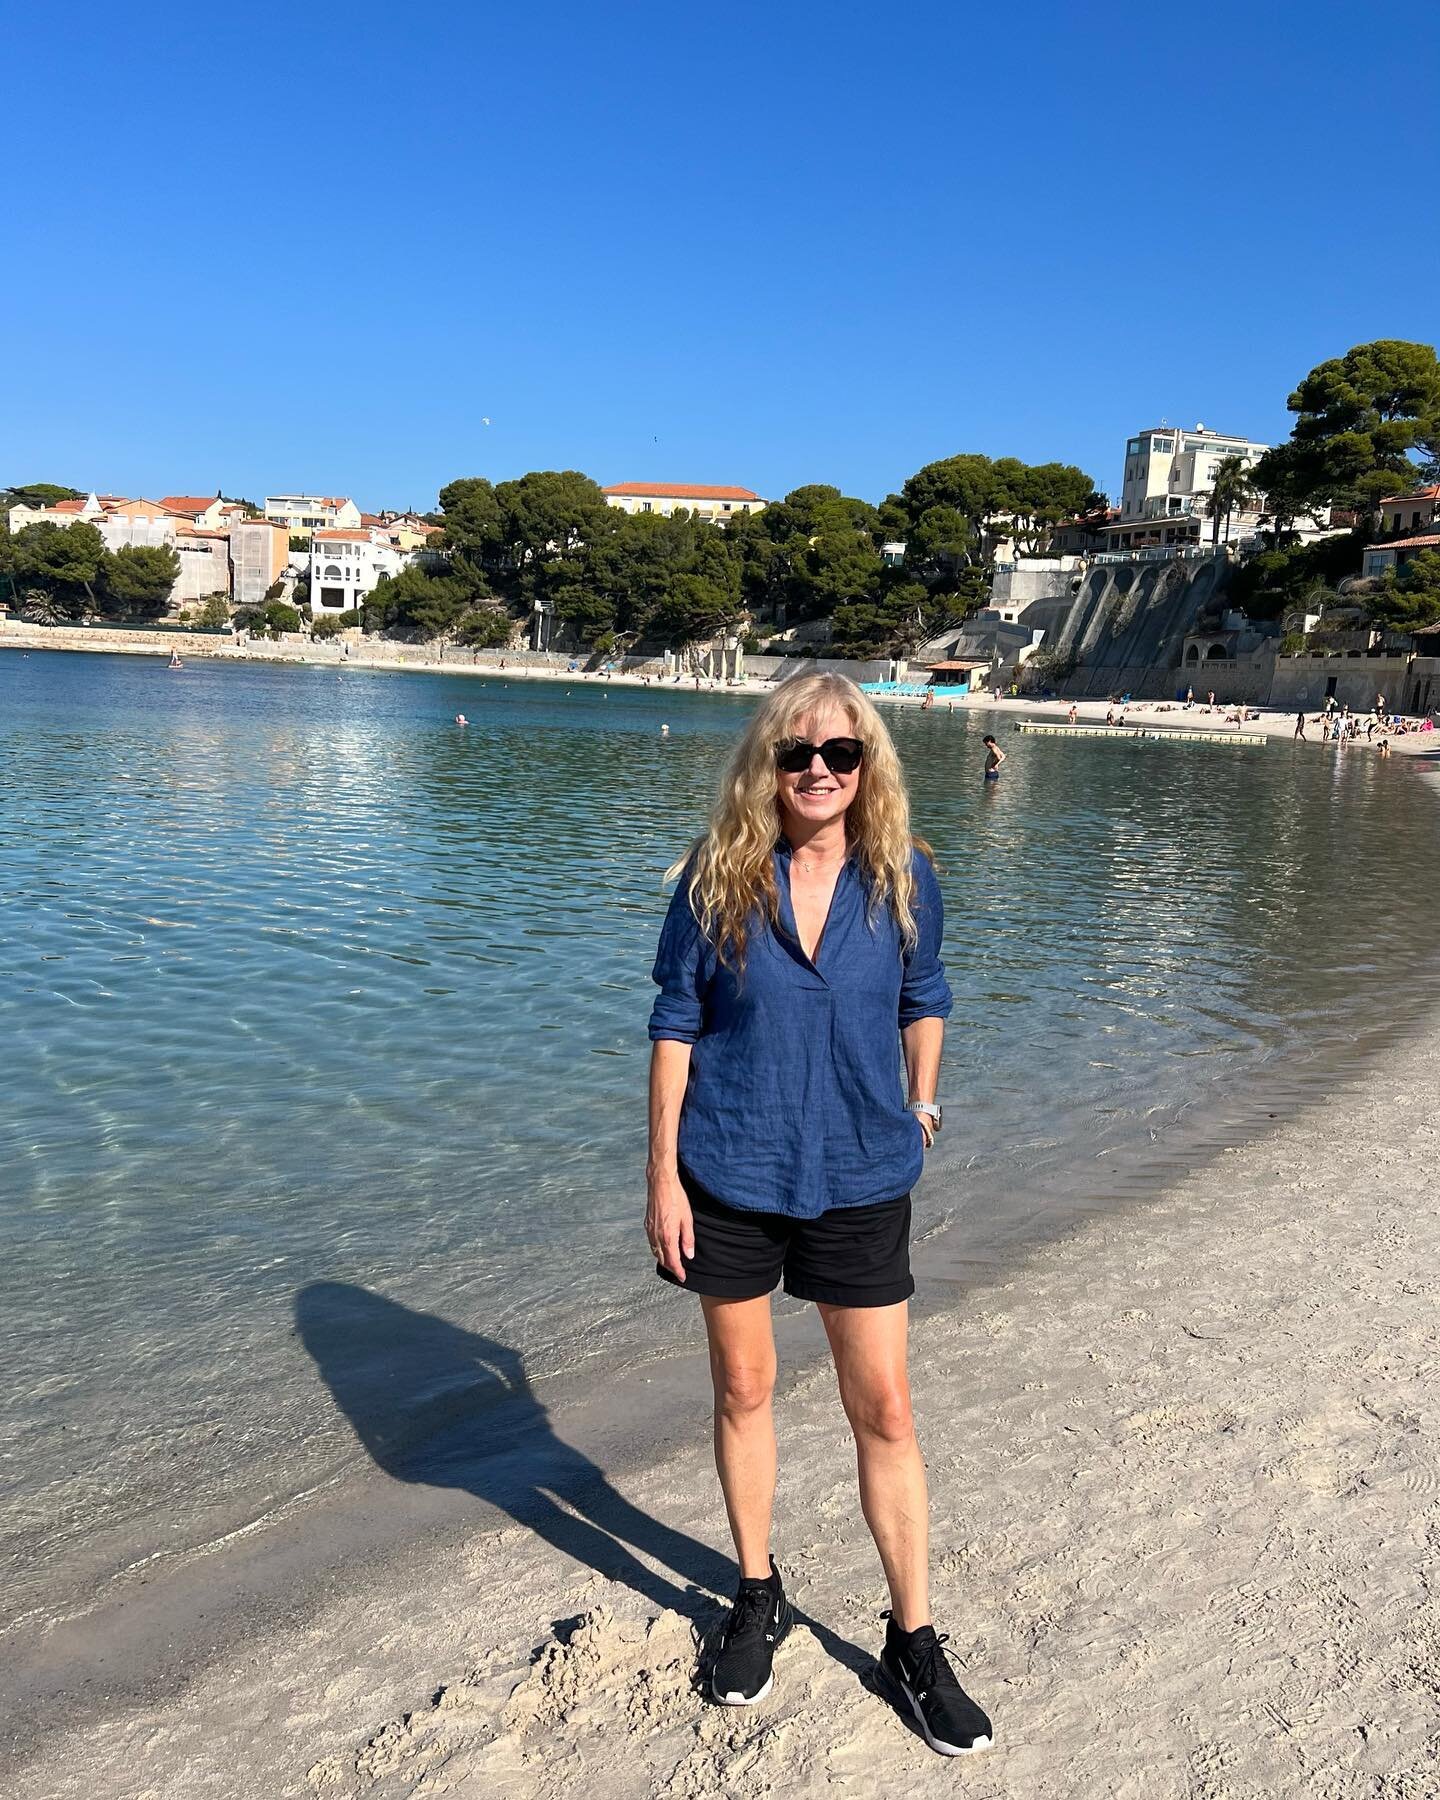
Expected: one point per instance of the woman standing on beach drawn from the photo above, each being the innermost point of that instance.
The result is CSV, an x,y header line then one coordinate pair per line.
x,y
800,952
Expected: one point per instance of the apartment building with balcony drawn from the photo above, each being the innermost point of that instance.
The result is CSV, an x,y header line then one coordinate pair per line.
x,y
311,512
1169,474
346,563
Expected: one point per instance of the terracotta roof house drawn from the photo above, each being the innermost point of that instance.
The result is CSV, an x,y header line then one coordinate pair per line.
x,y
207,510
1412,511
665,497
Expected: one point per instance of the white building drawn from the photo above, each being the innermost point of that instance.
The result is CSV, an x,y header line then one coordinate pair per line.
x,y
346,563
665,497
311,512
1169,475
141,530
63,512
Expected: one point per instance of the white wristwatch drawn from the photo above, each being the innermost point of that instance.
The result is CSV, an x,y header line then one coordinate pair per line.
x,y
931,1110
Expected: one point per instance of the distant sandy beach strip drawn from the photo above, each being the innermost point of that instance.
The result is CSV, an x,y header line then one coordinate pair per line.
x,y
423,660
1186,1483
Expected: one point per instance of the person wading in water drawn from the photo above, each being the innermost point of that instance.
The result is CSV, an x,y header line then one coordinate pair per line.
x,y
800,958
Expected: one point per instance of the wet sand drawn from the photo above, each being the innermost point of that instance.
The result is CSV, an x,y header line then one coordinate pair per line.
x,y
1186,1488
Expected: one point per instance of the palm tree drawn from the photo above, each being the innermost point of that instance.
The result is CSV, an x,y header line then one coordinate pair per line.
x,y
1233,487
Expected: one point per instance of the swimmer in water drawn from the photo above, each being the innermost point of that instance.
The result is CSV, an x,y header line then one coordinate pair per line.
x,y
994,756
460,719
664,731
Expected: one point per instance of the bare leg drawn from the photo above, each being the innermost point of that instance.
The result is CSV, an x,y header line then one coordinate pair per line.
x,y
868,1344
742,1368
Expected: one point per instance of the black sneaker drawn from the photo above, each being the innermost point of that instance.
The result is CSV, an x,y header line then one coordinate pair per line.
x,y
759,1622
916,1664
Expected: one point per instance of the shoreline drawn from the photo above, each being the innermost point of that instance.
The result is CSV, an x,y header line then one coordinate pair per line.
x,y
1272,722
1125,1340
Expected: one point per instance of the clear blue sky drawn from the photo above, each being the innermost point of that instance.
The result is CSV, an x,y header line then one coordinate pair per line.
x,y
279,248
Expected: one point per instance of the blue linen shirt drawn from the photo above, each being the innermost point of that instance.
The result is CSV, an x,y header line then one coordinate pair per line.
x,y
796,1096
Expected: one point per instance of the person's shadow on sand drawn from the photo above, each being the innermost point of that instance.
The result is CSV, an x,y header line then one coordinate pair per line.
x,y
436,1404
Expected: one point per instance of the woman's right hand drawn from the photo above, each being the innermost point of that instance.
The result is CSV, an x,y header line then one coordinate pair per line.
x,y
669,1222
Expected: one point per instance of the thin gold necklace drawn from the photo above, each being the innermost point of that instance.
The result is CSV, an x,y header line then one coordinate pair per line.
x,y
810,868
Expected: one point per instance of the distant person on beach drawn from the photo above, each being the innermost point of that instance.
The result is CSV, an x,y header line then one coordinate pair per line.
x,y
1189,696
1300,725
994,756
799,956
1073,714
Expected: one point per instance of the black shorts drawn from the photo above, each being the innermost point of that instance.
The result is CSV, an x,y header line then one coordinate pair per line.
x,y
849,1256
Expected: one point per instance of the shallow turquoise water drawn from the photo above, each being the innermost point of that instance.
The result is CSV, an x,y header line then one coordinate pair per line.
x,y
300,981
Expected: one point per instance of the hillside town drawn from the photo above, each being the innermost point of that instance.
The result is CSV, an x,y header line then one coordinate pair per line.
x,y
1278,574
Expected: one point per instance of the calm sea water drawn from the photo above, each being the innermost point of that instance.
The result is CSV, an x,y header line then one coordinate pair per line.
x,y
300,982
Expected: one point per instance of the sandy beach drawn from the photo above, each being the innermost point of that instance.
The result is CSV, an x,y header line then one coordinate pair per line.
x,y
1186,1489
410,659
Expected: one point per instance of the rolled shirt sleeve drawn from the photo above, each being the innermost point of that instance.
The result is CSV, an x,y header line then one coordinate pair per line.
x,y
680,973
924,991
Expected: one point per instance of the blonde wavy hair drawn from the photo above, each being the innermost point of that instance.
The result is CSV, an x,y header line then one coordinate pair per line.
x,y
731,866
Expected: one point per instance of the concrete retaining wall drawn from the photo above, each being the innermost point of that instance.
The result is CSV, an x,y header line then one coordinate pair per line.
x,y
1303,681
781,668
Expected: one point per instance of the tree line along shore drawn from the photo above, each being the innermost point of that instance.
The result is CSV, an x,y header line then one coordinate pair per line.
x,y
860,580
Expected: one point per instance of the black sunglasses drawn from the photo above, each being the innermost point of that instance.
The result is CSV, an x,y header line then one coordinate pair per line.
x,y
841,756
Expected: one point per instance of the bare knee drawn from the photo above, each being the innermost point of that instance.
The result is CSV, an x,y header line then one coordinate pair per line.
x,y
743,1389
881,1413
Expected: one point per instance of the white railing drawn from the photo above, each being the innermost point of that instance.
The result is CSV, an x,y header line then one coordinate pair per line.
x,y
1158,553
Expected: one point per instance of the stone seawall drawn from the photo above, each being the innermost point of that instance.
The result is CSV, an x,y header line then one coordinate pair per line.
x,y
372,653
292,647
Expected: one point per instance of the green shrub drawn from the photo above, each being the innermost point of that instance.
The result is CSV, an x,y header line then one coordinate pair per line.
x,y
486,628
276,616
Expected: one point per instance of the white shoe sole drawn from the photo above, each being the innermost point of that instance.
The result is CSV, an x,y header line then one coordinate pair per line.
x,y
939,1744
734,1699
